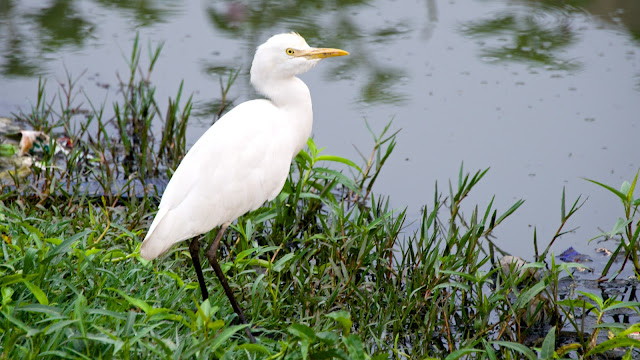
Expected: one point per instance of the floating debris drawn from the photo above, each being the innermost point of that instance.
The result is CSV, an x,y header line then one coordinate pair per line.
x,y
604,251
511,264
31,137
571,255
8,126
22,149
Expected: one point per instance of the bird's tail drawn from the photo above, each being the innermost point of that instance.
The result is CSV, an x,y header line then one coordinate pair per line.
x,y
153,245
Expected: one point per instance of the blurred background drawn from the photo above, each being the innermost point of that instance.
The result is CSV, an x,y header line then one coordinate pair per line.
x,y
545,93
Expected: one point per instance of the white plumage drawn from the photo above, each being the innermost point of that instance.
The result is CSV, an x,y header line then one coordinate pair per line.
x,y
244,158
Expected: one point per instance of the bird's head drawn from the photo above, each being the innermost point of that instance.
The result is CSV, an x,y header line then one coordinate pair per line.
x,y
286,55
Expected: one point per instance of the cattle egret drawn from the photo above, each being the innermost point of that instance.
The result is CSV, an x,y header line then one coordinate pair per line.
x,y
243,159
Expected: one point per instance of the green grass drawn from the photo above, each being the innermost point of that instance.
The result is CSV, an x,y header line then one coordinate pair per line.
x,y
323,271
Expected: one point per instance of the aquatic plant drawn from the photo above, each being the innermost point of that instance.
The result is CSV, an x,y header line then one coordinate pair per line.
x,y
626,229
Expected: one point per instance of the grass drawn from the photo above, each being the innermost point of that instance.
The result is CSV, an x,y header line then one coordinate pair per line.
x,y
323,271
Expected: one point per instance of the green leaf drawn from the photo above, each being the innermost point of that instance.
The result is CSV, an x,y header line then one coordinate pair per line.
x,y
595,298
354,347
305,160
225,335
66,244
30,261
282,262
632,188
525,298
489,350
344,318
254,348
330,354
243,254
510,211
24,327
80,307
328,337
312,146
15,278
517,347
616,342
576,303
383,356
178,279
45,309
302,331
329,174
627,355
58,325
304,348
135,302
37,292
622,196
625,187
117,343
634,305
213,344
619,227
460,353
548,345
339,160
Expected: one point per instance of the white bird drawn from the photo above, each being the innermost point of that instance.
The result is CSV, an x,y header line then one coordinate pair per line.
x,y
243,159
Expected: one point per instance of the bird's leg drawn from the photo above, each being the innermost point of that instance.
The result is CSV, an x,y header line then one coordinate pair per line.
x,y
212,255
194,249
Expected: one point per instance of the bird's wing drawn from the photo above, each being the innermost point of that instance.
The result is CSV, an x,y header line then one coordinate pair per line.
x,y
238,164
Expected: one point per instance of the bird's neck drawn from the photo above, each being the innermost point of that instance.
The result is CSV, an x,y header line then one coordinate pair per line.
x,y
292,96
284,92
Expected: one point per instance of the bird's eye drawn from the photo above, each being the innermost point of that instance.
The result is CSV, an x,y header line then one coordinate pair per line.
x,y
290,51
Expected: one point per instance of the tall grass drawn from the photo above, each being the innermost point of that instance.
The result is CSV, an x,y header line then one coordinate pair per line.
x,y
323,271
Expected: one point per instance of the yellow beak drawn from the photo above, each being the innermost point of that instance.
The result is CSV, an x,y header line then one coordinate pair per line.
x,y
322,53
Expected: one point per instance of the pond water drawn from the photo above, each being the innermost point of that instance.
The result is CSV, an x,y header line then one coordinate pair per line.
x,y
544,94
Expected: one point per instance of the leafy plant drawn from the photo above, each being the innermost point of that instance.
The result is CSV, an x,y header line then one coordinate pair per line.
x,y
627,227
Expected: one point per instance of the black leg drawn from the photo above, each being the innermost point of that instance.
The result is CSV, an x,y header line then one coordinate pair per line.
x,y
194,249
212,255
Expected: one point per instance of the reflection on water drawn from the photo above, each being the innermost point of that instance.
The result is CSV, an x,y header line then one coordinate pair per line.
x,y
622,13
539,34
60,23
536,37
31,32
142,13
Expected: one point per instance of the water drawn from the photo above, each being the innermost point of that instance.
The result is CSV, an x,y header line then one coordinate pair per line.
x,y
545,95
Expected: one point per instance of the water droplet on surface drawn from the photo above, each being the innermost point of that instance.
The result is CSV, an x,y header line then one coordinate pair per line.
x,y
489,59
